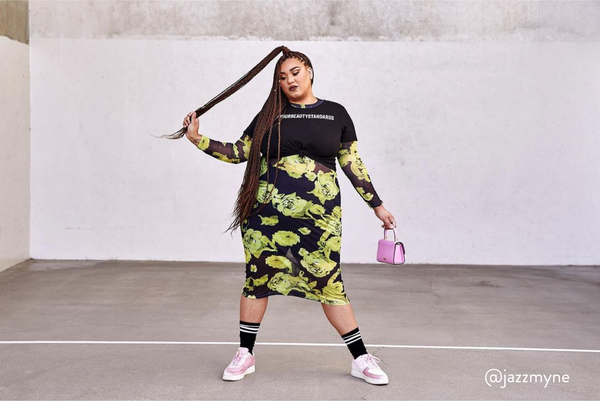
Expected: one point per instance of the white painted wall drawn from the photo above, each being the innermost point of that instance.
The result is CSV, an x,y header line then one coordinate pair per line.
x,y
486,151
14,152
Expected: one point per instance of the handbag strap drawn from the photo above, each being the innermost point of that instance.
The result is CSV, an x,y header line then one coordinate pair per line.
x,y
385,232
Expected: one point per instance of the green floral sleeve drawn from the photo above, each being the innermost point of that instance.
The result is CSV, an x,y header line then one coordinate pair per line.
x,y
355,170
229,152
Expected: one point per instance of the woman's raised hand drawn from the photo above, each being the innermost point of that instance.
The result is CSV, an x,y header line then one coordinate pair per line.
x,y
386,217
191,122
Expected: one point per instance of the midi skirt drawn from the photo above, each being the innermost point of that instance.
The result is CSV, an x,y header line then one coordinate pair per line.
x,y
292,245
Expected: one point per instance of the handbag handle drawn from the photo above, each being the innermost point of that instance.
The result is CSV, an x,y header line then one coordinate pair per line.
x,y
385,233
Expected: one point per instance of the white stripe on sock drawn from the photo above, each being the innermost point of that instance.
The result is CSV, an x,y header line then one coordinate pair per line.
x,y
248,328
350,335
351,338
350,342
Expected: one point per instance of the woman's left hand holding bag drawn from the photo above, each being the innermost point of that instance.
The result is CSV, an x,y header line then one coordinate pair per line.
x,y
386,217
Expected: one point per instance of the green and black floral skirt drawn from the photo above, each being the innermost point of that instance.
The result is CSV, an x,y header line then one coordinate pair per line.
x,y
292,245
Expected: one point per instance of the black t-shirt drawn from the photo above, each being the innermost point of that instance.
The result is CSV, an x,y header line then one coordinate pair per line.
x,y
315,131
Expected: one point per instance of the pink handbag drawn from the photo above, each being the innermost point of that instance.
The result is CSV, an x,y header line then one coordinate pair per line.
x,y
389,251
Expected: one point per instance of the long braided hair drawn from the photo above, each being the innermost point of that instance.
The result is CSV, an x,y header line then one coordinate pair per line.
x,y
271,111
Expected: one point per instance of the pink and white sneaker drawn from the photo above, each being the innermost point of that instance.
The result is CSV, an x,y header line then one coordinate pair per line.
x,y
241,364
365,367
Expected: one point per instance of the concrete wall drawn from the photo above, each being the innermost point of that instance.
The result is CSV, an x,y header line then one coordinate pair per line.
x,y
478,122
14,20
14,133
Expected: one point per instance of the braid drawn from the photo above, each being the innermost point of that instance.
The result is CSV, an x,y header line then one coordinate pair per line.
x,y
242,205
272,110
267,198
231,89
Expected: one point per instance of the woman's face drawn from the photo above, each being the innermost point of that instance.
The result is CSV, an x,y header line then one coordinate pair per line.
x,y
295,80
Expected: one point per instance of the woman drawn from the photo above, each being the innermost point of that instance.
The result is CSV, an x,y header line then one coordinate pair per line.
x,y
291,224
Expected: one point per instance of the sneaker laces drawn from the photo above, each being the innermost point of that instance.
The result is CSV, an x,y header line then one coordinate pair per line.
x,y
237,358
371,361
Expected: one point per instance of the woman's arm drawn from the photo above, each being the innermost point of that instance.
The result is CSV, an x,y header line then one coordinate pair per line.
x,y
229,152
237,152
355,170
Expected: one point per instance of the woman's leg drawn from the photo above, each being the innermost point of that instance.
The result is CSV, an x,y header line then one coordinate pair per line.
x,y
251,314
252,310
341,317
364,365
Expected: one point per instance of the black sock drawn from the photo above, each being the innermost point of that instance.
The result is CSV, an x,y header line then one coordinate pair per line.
x,y
355,343
248,333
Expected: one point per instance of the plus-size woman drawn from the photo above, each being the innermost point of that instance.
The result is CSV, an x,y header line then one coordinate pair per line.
x,y
289,207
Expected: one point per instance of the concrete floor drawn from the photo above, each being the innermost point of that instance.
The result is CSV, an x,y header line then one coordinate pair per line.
x,y
544,313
